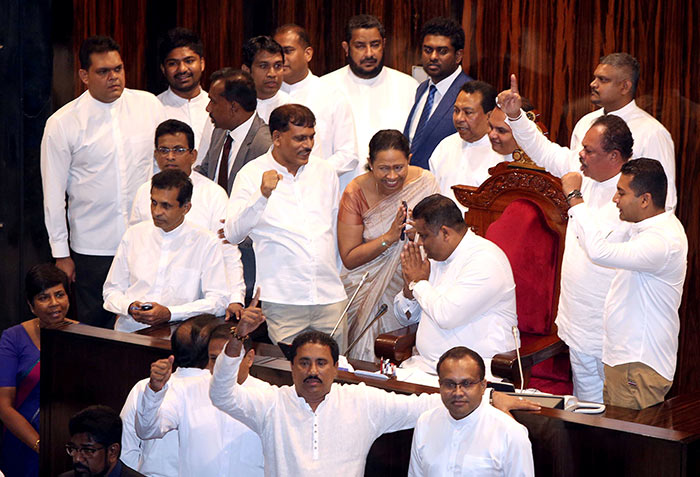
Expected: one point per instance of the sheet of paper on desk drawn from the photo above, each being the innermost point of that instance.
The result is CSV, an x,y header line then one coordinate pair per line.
x,y
416,376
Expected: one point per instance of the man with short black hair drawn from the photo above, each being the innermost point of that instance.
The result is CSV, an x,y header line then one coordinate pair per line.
x,y
380,97
167,269
466,435
584,284
174,149
211,443
95,150
641,324
263,58
466,156
613,88
335,127
462,293
430,119
95,444
287,201
316,427
181,55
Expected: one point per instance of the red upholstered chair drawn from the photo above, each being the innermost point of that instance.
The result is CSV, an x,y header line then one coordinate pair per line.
x,y
524,212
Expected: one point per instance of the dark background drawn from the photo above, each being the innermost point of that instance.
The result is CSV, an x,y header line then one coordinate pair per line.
x,y
553,47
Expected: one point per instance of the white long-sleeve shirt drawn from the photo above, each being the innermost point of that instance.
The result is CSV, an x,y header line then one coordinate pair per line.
x,y
455,161
191,111
266,106
333,440
99,154
182,270
209,201
382,102
469,300
584,284
485,443
641,308
293,232
335,128
211,443
152,457
651,140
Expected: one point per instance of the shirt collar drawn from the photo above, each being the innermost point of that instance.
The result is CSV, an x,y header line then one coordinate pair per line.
x,y
299,85
106,106
462,245
179,100
651,222
117,470
189,372
366,81
445,83
239,134
482,141
174,232
623,111
281,169
469,420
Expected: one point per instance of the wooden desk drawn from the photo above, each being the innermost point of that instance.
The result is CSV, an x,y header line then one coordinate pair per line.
x,y
83,365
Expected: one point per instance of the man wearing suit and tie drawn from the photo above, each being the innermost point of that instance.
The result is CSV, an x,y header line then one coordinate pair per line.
x,y
430,120
240,136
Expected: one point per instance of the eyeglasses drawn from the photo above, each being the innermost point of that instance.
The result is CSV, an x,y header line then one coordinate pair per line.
x,y
177,151
452,386
86,452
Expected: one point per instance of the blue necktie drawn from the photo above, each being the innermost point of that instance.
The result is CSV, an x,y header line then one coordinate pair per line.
x,y
425,115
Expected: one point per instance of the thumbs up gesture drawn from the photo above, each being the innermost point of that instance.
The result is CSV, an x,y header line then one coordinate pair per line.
x,y
160,373
509,100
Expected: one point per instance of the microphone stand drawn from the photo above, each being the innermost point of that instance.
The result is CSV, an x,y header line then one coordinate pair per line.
x,y
382,309
340,318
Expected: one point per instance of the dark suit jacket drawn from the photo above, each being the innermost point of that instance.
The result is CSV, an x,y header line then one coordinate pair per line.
x,y
439,125
126,471
255,144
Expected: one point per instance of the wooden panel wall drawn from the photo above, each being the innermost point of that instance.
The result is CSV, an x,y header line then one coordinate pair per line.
x,y
553,47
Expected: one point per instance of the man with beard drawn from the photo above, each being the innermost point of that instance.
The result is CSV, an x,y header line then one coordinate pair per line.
x,y
182,63
335,128
264,60
613,87
380,97
95,444
287,202
430,120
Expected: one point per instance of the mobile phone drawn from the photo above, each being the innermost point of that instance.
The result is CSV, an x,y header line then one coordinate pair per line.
x,y
146,306
405,208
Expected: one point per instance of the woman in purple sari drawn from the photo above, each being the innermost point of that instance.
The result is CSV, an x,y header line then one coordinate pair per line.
x,y
46,288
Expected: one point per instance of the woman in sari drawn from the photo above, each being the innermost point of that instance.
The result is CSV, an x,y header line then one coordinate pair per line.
x,y
46,288
371,218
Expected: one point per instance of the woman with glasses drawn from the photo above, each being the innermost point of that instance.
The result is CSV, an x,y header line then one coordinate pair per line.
x,y
46,293
371,219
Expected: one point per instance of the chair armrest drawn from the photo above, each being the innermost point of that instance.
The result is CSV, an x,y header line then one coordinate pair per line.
x,y
396,345
505,365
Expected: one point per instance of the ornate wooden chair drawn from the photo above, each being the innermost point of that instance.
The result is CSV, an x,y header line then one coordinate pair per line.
x,y
523,211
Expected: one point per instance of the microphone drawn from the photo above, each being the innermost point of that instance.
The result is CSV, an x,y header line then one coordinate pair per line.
x,y
382,309
514,329
340,318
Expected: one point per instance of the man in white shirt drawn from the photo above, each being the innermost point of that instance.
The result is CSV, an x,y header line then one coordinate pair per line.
x,y
612,89
335,127
380,97
175,150
210,443
430,119
641,321
97,151
316,427
182,62
167,270
467,436
466,156
287,201
584,284
263,58
462,293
